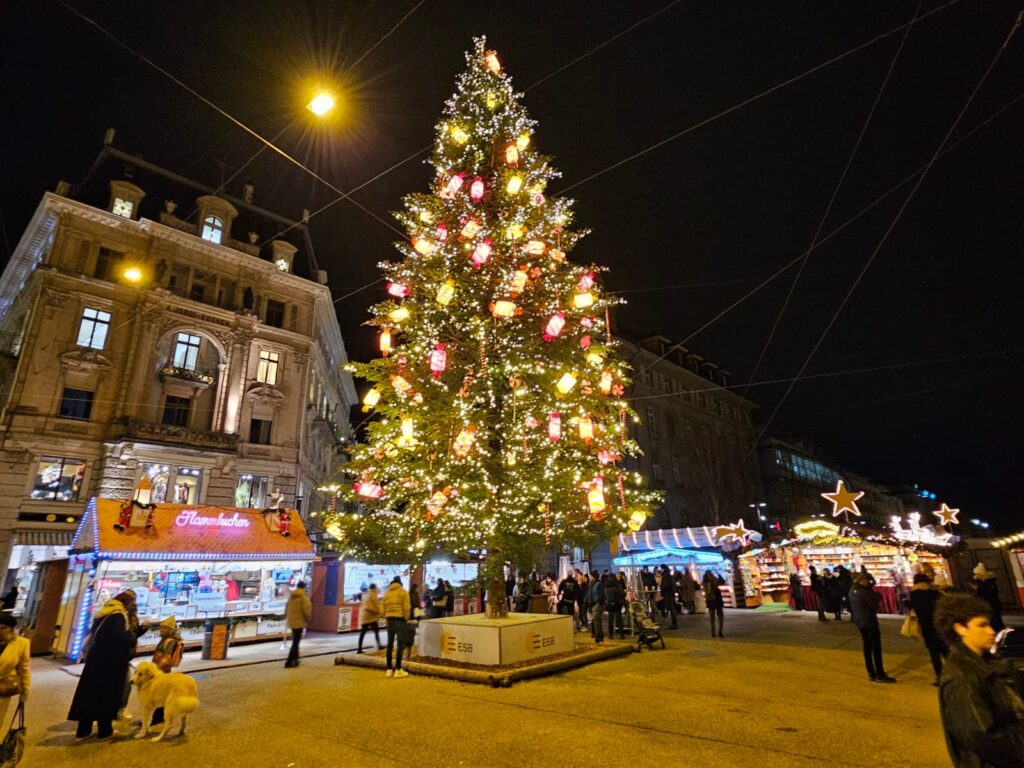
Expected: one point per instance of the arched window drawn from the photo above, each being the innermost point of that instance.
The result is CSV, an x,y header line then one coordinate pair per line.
x,y
213,229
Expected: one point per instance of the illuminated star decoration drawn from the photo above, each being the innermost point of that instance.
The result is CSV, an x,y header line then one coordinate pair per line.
x,y
843,500
946,515
735,531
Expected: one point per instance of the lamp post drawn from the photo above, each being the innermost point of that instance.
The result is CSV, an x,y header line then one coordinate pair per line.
x,y
759,507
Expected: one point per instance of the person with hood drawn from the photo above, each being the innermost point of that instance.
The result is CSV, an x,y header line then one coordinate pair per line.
x,y
395,607
15,671
713,583
615,599
864,602
567,588
819,591
438,600
107,650
298,612
369,616
688,591
845,580
596,600
834,594
668,593
449,598
986,587
982,712
796,590
10,599
922,602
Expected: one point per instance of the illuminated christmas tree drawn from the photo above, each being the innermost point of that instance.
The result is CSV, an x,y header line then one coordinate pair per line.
x,y
499,422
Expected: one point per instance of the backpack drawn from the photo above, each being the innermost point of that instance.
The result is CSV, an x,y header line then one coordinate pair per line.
x,y
168,661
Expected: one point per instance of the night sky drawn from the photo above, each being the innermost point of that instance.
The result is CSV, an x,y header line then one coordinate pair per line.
x,y
687,229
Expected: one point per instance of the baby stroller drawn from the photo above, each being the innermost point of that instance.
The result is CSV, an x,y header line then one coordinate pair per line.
x,y
647,631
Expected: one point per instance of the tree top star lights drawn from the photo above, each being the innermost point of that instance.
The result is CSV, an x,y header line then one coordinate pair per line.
x,y
499,422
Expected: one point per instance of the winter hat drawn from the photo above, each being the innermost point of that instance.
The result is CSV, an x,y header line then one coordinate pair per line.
x,y
169,623
398,580
981,571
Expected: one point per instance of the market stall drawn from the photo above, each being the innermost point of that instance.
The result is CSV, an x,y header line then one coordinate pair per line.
x,y
892,558
693,549
195,563
338,587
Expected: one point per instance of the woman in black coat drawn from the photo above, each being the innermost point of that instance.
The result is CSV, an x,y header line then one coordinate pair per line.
x,y
100,688
922,602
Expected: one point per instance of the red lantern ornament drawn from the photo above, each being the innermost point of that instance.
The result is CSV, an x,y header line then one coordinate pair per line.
x,y
586,282
398,290
438,361
442,232
453,186
481,253
585,341
512,154
607,456
476,190
368,490
554,326
492,63
555,427
531,422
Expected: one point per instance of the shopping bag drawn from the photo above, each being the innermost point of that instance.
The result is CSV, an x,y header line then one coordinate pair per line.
x,y
13,746
911,627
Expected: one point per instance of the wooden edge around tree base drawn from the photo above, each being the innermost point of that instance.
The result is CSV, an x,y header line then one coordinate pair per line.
x,y
498,678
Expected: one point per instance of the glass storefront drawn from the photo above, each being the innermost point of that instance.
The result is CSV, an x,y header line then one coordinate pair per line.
x,y
251,491
58,478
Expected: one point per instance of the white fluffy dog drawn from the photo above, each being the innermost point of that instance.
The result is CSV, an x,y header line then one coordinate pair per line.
x,y
175,692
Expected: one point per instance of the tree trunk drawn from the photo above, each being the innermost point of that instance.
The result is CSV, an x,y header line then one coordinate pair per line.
x,y
497,607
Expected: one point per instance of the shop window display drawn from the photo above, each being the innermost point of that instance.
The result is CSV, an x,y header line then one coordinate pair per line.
x,y
251,491
174,484
58,478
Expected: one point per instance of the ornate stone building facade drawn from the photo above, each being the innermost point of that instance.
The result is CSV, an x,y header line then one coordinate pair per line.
x,y
696,435
138,342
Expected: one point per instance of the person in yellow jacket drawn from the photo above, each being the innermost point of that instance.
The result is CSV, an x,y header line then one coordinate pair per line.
x,y
395,607
298,612
369,616
15,675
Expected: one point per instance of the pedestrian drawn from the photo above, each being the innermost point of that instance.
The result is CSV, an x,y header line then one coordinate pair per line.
x,y
438,599
10,599
298,612
395,608
668,594
982,712
596,601
15,668
796,590
510,589
107,651
414,605
582,595
550,589
864,602
986,587
819,591
845,579
449,598
369,616
923,597
834,588
567,589
688,591
167,655
614,598
713,583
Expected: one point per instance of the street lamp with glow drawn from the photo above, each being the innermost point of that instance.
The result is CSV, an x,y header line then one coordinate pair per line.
x,y
321,104
132,274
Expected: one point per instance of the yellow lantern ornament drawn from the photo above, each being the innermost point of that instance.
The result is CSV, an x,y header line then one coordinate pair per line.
x,y
503,308
459,135
422,246
583,300
637,520
523,142
407,438
566,383
595,498
586,429
385,342
399,314
605,382
514,185
492,63
464,442
370,400
445,293
519,281
512,154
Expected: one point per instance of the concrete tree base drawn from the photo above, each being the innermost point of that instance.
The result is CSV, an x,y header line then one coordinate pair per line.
x,y
476,639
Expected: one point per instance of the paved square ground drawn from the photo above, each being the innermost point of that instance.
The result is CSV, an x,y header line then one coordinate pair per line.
x,y
779,691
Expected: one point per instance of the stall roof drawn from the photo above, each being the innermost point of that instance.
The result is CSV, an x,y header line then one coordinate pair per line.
x,y
188,532
669,538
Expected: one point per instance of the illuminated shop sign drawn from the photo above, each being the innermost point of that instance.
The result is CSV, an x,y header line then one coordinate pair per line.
x,y
192,519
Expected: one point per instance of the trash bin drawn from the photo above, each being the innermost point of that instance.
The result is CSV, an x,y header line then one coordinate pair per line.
x,y
215,639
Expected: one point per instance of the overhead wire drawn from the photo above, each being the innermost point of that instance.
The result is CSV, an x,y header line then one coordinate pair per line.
x,y
752,99
768,280
833,374
889,229
835,193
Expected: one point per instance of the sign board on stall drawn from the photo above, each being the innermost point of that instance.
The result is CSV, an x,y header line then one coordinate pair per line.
x,y
271,626
209,602
344,619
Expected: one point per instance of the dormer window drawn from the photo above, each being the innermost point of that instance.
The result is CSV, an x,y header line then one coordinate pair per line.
x,y
123,207
124,199
213,229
